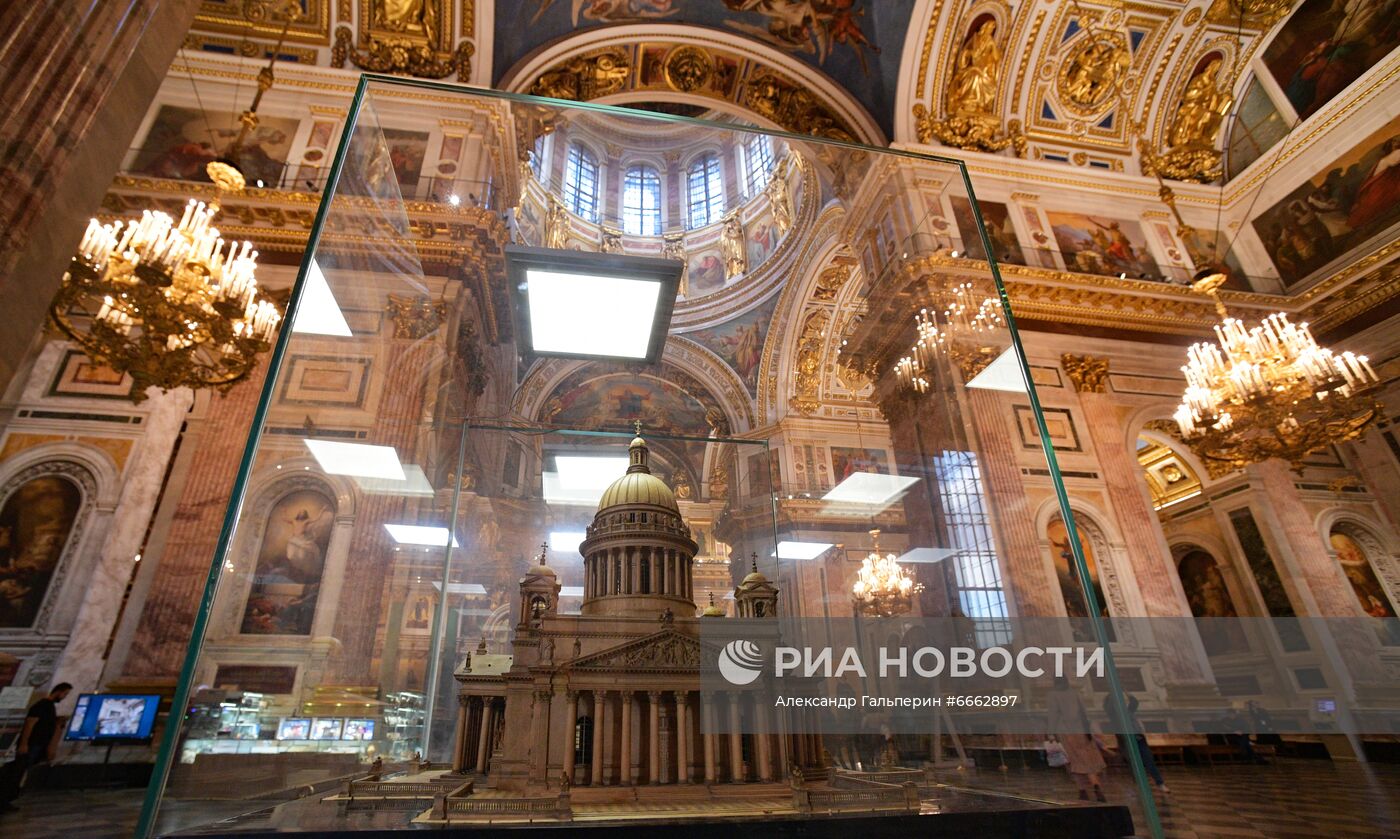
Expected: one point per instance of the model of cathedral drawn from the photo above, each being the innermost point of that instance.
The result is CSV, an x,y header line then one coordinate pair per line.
x,y
612,695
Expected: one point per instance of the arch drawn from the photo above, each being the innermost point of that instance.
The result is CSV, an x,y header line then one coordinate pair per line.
x,y
602,64
45,507
1111,564
1364,560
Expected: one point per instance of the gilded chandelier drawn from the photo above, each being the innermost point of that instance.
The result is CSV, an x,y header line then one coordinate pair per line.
x,y
883,587
1270,391
171,304
941,332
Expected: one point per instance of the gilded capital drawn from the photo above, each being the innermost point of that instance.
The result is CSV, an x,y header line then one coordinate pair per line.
x,y
416,317
1089,374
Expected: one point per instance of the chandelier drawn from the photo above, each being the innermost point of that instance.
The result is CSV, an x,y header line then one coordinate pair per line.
x,y
883,587
939,332
1270,391
171,304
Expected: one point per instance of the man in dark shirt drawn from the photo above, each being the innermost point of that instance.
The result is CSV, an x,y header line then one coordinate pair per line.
x,y
36,742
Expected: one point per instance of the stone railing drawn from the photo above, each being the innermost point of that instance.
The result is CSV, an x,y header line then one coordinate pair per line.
x,y
849,779
405,789
876,796
450,806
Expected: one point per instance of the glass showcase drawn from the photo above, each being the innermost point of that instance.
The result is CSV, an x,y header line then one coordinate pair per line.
x,y
520,441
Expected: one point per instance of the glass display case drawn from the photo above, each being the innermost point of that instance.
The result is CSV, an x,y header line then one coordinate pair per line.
x,y
515,447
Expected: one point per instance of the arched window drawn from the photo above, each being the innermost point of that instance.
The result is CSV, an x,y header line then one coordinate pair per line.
x,y
581,182
706,191
641,201
758,162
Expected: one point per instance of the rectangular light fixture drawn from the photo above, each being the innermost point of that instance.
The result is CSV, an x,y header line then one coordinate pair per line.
x,y
414,484
358,460
418,534
461,588
801,550
571,591
926,556
869,488
581,479
565,541
317,312
576,304
1004,373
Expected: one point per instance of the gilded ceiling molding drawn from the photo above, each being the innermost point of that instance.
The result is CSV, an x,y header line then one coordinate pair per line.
x,y
690,64
1258,15
254,20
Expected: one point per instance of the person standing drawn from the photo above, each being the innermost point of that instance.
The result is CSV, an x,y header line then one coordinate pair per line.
x,y
1133,729
1070,724
37,743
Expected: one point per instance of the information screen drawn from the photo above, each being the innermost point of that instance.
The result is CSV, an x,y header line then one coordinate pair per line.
x,y
111,716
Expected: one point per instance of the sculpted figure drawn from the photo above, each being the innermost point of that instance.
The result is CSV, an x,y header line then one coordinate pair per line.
x,y
973,88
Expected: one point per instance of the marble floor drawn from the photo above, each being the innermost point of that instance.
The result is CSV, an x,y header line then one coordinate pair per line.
x,y
1292,798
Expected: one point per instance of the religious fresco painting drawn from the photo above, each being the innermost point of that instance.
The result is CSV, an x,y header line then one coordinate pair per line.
x,y
36,521
615,402
182,141
1343,205
705,273
1067,574
1098,245
848,460
406,152
1327,45
287,577
762,239
739,341
1209,597
1364,582
997,219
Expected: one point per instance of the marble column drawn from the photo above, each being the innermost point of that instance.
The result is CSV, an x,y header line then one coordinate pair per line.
x,y
570,736
1026,579
483,745
1153,569
654,736
1323,581
736,740
459,738
625,757
682,737
177,571
596,778
763,743
80,79
82,659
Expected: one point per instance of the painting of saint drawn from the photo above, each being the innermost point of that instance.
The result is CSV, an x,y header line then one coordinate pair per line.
x,y
804,26
739,341
182,141
1209,598
1328,44
846,461
35,522
406,152
1350,201
997,219
287,577
706,274
1362,576
1095,245
1066,572
763,240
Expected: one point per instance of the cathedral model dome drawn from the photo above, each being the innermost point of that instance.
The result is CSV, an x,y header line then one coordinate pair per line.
x,y
638,553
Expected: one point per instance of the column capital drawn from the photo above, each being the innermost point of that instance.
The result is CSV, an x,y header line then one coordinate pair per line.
x,y
654,695
1087,373
571,694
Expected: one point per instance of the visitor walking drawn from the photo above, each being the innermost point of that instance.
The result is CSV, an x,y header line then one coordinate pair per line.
x,y
1122,731
37,743
1070,726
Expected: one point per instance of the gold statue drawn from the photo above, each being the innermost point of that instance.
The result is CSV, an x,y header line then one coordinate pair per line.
x,y
413,17
731,243
556,225
673,247
1202,109
611,241
973,89
779,198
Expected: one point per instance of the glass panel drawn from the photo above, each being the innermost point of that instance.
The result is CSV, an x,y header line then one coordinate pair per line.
x,y
451,569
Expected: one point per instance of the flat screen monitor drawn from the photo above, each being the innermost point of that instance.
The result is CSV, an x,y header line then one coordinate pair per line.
x,y
294,728
113,716
326,728
358,730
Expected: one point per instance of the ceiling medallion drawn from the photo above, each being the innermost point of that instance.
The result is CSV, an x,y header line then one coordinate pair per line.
x,y
1270,391
688,68
1092,74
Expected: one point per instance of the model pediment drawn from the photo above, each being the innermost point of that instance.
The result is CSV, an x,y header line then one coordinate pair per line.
x,y
665,650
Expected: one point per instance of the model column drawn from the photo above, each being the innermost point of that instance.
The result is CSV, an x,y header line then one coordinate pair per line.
x,y
625,758
654,737
763,742
483,743
707,712
736,740
596,778
570,732
682,738
459,744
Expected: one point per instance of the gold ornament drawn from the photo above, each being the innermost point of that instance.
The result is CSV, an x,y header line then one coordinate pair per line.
x,y
1092,74
688,68
1191,153
1087,373
971,121
416,317
404,56
807,375
731,244
586,77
